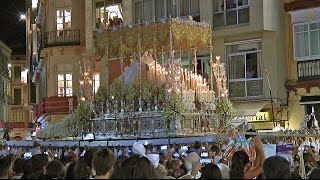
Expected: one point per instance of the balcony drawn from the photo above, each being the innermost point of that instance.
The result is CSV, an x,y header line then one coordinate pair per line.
x,y
55,104
60,38
308,70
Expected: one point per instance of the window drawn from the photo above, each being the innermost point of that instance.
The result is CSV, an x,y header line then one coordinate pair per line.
x,y
108,13
308,110
96,82
65,84
17,73
307,41
230,12
245,78
17,96
63,21
149,9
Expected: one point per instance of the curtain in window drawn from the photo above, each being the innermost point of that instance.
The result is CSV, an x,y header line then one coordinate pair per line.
x,y
159,9
147,10
138,8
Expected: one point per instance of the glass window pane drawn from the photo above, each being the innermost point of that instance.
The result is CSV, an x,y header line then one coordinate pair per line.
x,y
314,42
255,88
68,77
17,72
300,28
159,9
244,15
195,7
59,20
147,10
171,8
60,77
237,89
251,65
184,8
138,11
59,27
243,3
61,84
69,84
231,17
60,13
67,12
97,77
67,19
236,67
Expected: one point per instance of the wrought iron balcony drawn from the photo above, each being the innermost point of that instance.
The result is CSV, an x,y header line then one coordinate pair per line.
x,y
309,70
61,38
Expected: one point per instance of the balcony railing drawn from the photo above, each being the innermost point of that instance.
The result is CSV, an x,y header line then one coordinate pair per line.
x,y
309,70
61,38
55,104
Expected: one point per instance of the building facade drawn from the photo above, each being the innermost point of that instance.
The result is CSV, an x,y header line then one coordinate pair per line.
x,y
302,19
20,117
5,83
248,35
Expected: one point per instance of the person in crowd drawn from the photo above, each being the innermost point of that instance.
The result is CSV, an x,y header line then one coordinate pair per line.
x,y
38,164
135,167
215,153
88,156
240,164
193,166
6,167
119,161
276,167
102,163
315,174
81,169
27,169
177,173
295,175
197,147
225,170
210,171
55,170
71,157
18,165
69,170
36,148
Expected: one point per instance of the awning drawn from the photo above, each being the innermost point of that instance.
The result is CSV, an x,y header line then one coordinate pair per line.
x,y
249,108
310,100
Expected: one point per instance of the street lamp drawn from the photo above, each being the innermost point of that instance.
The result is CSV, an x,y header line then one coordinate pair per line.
x,y
22,17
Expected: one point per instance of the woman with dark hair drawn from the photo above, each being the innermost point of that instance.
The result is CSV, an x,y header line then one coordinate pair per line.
x,y
69,171
135,167
240,163
55,170
210,171
81,169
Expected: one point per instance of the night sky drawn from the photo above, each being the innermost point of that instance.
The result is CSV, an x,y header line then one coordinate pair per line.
x,y
12,29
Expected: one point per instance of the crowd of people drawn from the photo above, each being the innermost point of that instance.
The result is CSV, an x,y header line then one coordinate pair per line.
x,y
143,161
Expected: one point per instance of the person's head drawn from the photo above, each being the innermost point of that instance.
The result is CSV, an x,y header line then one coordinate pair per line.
x,y
197,145
81,169
191,158
88,156
295,175
18,165
215,149
239,163
103,161
27,168
38,162
177,173
36,145
135,167
276,167
69,171
119,161
315,174
224,170
6,167
210,171
55,169
161,171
